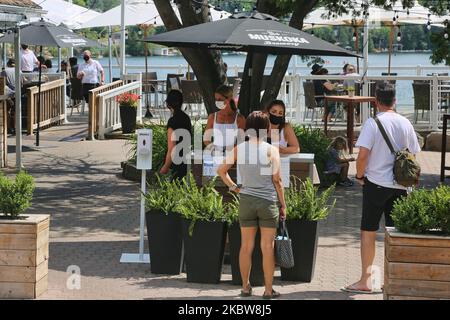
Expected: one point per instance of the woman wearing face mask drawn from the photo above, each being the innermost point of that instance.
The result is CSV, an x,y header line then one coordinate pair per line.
x,y
281,133
223,126
89,73
179,128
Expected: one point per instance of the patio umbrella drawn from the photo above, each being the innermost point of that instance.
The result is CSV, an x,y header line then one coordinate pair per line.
x,y
249,32
45,34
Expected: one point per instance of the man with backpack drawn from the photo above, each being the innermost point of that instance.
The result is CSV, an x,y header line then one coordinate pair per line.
x,y
386,167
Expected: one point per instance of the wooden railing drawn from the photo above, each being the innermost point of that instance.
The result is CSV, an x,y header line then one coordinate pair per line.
x,y
93,106
52,110
109,111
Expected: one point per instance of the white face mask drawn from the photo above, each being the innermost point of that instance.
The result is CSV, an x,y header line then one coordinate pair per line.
x,y
220,105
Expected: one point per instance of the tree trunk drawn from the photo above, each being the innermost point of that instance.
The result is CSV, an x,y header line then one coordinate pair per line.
x,y
302,8
207,64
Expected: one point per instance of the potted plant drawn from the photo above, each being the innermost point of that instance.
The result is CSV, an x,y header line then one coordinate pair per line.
x,y
165,241
234,237
351,91
128,104
417,250
204,231
305,207
24,241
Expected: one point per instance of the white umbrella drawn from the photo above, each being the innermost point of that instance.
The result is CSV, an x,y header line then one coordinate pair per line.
x,y
62,12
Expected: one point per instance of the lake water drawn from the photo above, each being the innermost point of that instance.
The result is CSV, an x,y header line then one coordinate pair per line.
x,y
379,61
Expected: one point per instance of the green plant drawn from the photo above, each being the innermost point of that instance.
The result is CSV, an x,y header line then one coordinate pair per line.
x,y
159,145
305,202
16,196
316,142
201,203
423,211
164,195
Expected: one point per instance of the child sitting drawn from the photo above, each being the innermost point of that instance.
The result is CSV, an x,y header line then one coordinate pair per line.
x,y
339,161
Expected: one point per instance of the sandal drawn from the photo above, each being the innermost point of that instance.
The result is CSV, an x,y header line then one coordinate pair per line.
x,y
273,295
248,293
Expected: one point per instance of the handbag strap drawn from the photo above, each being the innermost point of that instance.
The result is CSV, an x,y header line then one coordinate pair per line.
x,y
384,134
283,229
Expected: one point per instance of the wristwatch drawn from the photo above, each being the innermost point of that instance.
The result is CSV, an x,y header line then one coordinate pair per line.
x,y
233,188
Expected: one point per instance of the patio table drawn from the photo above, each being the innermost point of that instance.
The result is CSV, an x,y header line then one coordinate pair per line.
x,y
350,102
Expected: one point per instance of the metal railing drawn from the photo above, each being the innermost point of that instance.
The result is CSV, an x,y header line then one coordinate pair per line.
x,y
109,112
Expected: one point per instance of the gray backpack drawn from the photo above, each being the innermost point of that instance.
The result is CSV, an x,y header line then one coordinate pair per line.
x,y
406,168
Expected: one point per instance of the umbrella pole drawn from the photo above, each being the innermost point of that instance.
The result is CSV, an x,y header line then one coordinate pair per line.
x,y
110,54
39,101
250,74
357,48
391,44
148,114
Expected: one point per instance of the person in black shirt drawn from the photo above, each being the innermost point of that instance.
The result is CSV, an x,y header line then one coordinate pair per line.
x,y
179,129
323,88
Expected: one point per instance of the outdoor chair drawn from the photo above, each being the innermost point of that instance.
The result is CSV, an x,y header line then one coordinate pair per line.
x,y
173,81
192,97
190,76
147,87
422,98
76,95
310,100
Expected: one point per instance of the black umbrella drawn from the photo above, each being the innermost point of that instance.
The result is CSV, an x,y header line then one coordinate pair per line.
x,y
45,34
249,32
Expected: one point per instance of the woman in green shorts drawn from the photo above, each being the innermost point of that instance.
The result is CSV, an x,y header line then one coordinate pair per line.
x,y
262,201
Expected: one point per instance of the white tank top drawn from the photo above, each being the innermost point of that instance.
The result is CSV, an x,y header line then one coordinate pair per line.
x,y
225,134
281,143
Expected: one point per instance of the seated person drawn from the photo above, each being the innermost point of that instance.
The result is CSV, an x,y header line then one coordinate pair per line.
x,y
323,88
339,161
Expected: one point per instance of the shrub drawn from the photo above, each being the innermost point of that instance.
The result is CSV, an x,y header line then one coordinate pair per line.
x,y
16,196
164,195
423,211
202,203
316,142
305,202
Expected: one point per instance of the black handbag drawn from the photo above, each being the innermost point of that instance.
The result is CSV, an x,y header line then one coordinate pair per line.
x,y
284,255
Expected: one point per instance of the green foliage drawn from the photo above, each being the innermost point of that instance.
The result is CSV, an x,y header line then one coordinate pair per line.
x,y
16,196
313,141
159,145
164,195
202,203
423,211
305,202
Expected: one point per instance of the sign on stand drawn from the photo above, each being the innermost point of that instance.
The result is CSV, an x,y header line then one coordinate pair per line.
x,y
144,163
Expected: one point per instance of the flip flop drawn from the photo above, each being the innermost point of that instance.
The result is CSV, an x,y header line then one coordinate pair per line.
x,y
273,295
351,290
246,294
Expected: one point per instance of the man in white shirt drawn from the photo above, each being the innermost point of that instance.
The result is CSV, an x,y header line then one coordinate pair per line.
x,y
28,59
375,172
89,73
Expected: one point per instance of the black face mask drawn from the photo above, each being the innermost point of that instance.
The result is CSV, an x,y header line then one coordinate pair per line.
x,y
276,121
86,58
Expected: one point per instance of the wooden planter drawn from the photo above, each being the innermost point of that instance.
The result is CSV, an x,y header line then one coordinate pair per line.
x,y
416,266
24,246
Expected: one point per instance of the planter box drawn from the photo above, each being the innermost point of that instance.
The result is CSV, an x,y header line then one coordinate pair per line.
x,y
130,172
165,242
416,266
204,251
257,273
24,252
304,235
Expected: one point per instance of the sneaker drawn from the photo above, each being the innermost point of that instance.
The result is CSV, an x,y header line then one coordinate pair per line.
x,y
346,184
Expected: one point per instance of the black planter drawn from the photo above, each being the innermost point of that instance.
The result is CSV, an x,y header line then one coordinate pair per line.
x,y
128,118
165,242
304,235
204,251
257,273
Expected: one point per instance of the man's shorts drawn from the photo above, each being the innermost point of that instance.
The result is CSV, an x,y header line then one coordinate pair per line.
x,y
254,212
376,201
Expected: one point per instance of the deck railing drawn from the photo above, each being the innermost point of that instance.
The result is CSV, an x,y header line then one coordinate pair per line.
x,y
108,107
53,108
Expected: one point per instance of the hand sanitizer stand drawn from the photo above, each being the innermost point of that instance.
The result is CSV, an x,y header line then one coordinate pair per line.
x,y
144,163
